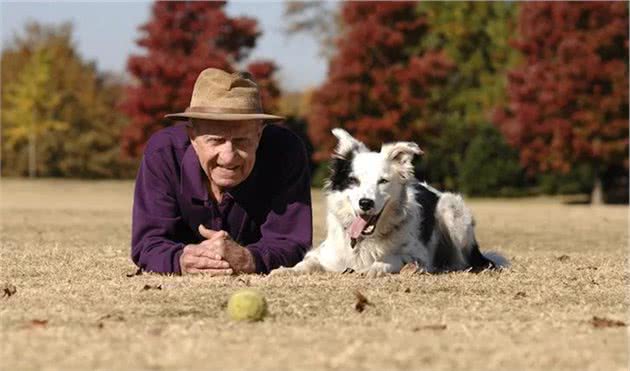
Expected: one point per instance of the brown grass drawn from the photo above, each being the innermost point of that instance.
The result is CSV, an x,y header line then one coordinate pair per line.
x,y
65,248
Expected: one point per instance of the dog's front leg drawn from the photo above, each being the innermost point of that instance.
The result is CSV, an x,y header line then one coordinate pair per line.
x,y
310,264
389,264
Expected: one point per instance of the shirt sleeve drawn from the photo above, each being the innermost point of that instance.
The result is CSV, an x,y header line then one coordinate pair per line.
x,y
155,218
287,233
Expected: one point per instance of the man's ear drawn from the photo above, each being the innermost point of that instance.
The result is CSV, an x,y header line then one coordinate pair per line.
x,y
192,133
347,143
401,154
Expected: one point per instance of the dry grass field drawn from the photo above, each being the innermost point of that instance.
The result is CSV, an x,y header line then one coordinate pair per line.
x,y
65,249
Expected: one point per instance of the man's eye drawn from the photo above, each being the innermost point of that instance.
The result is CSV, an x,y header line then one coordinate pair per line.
x,y
353,181
383,181
242,142
212,140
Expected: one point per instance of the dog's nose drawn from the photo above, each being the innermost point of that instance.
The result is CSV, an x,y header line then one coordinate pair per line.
x,y
366,204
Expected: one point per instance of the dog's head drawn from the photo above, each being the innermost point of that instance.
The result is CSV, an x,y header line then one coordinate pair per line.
x,y
368,180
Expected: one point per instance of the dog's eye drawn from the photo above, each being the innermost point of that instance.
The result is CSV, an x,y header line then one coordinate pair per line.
x,y
353,181
383,181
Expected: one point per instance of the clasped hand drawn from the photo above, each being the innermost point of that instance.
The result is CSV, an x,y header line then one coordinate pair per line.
x,y
217,255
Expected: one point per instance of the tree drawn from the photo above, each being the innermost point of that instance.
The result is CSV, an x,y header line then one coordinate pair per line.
x,y
58,114
319,18
475,37
181,39
568,103
377,87
263,73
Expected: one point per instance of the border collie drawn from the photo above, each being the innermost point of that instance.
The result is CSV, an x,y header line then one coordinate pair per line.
x,y
380,217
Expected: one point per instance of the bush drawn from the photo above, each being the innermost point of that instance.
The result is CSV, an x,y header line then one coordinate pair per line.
x,y
490,167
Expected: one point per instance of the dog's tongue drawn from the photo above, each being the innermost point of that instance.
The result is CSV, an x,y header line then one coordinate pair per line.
x,y
357,226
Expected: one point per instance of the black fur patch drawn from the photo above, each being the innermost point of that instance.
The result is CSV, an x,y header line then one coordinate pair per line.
x,y
428,200
340,169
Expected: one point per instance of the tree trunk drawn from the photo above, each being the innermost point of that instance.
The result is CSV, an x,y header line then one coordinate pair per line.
x,y
597,196
32,155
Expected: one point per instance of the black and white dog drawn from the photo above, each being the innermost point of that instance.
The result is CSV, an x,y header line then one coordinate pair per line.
x,y
379,217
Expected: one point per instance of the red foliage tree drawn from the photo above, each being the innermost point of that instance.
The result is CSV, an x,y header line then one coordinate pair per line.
x,y
263,73
568,102
378,84
182,39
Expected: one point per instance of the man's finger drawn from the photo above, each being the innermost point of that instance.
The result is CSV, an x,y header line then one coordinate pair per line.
x,y
211,272
212,234
202,262
205,232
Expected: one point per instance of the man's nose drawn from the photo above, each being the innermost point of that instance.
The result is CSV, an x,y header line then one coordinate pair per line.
x,y
366,204
228,152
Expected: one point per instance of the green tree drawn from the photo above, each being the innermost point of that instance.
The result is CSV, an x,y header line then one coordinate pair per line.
x,y
58,116
30,114
475,36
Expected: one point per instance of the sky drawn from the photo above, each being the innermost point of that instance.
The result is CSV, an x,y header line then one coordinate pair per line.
x,y
105,32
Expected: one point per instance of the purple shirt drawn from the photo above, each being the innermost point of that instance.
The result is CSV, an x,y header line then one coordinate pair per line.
x,y
269,213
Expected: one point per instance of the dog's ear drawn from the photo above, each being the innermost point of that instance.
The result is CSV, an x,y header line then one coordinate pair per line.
x,y
401,154
347,143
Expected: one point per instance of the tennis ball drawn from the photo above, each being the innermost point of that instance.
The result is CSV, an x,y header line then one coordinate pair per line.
x,y
247,305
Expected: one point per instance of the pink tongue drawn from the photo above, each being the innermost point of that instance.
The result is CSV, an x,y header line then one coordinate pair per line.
x,y
357,226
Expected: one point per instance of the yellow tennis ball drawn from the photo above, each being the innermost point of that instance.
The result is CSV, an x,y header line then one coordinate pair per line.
x,y
247,305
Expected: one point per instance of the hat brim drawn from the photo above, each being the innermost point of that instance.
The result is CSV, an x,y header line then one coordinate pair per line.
x,y
223,116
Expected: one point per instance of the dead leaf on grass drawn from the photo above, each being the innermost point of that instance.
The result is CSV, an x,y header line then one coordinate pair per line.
x,y
8,290
601,322
563,258
38,322
362,301
588,267
113,317
152,287
520,294
429,327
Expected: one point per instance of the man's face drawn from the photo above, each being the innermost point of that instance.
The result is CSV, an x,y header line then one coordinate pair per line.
x,y
226,149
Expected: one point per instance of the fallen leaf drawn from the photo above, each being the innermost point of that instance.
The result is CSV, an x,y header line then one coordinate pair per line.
x,y
563,258
152,287
8,290
520,294
601,322
429,327
410,269
137,273
589,267
113,317
362,301
39,322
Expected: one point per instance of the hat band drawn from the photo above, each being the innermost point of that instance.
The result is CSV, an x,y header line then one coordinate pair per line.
x,y
221,110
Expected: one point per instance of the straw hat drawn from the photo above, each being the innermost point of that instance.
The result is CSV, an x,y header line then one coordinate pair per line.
x,y
223,96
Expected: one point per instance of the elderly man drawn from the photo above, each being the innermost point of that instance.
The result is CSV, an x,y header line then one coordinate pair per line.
x,y
222,193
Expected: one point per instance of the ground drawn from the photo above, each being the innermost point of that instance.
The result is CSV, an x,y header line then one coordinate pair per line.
x,y
68,303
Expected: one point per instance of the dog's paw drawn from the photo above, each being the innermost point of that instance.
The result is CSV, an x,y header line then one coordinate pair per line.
x,y
378,269
284,271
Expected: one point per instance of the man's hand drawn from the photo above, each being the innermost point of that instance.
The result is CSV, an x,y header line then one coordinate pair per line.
x,y
220,244
201,259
